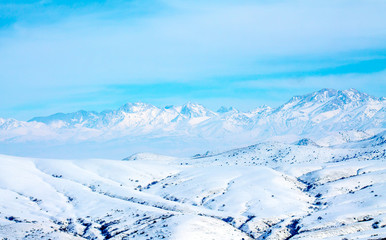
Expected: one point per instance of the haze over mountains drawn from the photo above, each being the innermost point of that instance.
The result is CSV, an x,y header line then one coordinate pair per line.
x,y
327,117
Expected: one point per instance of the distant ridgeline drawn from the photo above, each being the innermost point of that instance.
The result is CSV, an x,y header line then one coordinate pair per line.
x,y
326,117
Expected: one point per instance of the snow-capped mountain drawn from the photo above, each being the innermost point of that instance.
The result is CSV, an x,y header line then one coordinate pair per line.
x,y
330,110
327,117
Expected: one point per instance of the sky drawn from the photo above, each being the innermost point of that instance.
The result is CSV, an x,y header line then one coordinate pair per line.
x,y
67,55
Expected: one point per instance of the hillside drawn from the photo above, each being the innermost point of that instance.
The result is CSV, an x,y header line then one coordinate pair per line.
x,y
265,191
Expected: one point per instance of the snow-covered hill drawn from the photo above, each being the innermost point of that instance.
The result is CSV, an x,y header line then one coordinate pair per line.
x,y
265,191
327,117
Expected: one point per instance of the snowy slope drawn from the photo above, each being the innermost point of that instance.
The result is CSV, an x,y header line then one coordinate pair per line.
x,y
265,191
112,199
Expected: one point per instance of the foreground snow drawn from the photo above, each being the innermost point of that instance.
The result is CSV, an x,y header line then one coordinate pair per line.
x,y
265,191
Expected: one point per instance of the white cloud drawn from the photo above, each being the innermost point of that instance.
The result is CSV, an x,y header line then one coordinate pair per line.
x,y
191,41
374,83
182,41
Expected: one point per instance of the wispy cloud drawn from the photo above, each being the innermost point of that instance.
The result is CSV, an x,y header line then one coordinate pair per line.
x,y
46,46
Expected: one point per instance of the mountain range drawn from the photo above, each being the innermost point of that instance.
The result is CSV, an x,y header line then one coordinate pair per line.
x,y
327,117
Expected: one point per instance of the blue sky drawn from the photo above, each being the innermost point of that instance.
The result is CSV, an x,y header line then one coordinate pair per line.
x,y
95,55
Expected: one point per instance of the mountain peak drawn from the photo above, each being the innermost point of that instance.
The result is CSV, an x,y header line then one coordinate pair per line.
x,y
192,105
135,107
326,94
321,95
329,99
195,110
351,93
